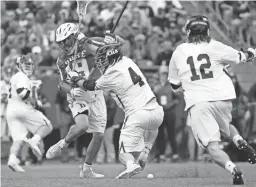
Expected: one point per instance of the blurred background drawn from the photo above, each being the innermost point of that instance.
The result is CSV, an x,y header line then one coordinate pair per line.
x,y
152,30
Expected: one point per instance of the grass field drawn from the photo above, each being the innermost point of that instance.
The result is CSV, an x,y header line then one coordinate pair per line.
x,y
55,174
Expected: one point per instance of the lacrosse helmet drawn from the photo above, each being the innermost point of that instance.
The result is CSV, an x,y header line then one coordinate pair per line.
x,y
197,25
66,35
25,64
107,55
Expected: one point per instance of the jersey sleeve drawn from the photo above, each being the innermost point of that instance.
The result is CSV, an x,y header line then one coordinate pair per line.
x,y
62,69
109,81
228,54
22,82
173,76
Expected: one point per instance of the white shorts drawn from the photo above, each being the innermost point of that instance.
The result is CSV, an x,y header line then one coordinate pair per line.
x,y
97,113
131,138
207,119
23,120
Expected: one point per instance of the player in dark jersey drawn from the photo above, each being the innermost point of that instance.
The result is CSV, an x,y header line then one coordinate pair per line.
x,y
88,107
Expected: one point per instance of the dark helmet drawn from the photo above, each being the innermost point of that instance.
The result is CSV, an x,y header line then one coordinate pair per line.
x,y
197,25
107,55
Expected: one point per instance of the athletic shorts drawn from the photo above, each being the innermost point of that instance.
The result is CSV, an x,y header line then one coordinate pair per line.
x,y
97,112
207,119
23,120
134,126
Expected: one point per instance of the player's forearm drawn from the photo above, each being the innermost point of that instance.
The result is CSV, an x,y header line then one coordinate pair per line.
x,y
64,87
87,84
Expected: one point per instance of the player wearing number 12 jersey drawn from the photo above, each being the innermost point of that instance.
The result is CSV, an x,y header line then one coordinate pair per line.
x,y
197,68
88,108
128,86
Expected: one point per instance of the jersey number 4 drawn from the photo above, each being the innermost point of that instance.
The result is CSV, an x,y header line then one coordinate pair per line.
x,y
135,77
207,65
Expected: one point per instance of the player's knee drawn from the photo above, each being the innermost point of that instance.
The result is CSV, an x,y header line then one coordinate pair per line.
x,y
213,147
82,123
98,136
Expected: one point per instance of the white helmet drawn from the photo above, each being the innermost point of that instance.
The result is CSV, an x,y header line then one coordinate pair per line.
x,y
66,35
25,64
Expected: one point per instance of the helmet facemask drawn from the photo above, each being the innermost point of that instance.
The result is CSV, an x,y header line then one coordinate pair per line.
x,y
26,65
107,55
68,44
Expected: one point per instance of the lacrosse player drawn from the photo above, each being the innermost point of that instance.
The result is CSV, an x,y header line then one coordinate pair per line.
x,y
22,117
197,69
88,108
123,79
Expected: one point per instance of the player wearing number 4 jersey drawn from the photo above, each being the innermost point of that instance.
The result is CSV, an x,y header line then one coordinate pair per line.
x,y
22,117
197,68
88,108
128,86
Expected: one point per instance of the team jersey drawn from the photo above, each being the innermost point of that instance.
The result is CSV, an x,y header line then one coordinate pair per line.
x,y
82,63
4,95
199,68
18,80
127,85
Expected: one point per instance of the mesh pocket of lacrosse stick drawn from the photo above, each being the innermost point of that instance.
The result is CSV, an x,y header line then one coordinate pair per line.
x,y
82,8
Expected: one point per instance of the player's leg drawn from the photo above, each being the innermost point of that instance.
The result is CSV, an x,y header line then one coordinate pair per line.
x,y
80,127
80,113
131,144
38,125
223,116
109,144
222,159
242,144
18,132
204,118
153,119
97,125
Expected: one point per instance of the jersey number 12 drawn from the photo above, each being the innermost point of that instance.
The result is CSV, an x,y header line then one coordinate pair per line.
x,y
135,77
207,65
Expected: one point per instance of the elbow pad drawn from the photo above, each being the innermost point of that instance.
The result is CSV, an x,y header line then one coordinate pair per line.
x,y
242,57
23,93
89,84
177,88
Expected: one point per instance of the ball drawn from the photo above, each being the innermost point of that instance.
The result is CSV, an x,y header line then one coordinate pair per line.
x,y
150,176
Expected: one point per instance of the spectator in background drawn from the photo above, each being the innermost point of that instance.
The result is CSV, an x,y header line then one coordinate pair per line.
x,y
10,60
165,53
252,118
168,100
107,150
160,20
37,55
239,106
51,56
139,48
153,43
108,13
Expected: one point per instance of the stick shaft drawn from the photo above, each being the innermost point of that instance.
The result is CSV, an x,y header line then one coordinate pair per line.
x,y
119,17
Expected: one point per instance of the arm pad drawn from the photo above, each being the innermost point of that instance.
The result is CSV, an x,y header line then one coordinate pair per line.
x,y
177,88
23,93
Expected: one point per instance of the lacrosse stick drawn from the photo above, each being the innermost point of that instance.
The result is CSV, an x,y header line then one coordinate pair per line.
x,y
112,31
81,12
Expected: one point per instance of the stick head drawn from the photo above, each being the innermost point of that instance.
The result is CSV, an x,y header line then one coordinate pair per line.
x,y
82,8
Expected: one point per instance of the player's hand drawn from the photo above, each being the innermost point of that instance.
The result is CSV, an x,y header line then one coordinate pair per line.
x,y
109,38
77,92
252,53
